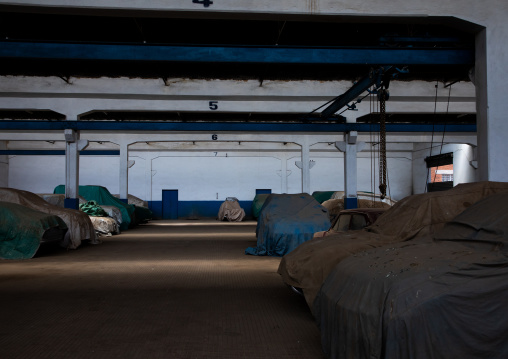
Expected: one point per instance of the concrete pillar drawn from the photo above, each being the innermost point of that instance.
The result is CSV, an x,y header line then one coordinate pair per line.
x,y
284,173
125,164
72,147
350,147
4,166
148,176
464,164
492,108
305,164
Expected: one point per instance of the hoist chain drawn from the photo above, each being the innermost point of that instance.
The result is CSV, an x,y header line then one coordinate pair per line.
x,y
382,142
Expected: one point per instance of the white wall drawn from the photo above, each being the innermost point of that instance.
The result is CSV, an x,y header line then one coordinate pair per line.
x,y
210,178
4,166
38,174
204,176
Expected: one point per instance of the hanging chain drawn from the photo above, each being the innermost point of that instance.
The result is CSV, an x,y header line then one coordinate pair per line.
x,y
382,142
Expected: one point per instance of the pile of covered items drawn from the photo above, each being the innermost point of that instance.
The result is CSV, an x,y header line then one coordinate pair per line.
x,y
102,197
231,211
105,219
79,226
23,230
286,221
104,224
412,219
143,213
335,203
438,292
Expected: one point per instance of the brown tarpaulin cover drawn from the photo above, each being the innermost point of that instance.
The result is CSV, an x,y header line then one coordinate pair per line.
x,y
231,210
79,224
412,218
439,299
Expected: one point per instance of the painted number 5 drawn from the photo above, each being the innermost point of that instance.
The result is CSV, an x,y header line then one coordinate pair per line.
x,y
213,105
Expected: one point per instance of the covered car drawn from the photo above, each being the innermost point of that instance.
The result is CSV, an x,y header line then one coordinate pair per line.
x,y
286,221
23,230
445,297
352,220
102,196
79,224
413,218
231,211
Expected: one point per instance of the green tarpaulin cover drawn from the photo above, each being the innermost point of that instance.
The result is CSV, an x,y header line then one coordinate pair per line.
x,y
322,196
22,228
102,196
257,204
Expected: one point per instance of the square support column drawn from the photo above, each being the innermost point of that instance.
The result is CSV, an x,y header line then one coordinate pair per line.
x,y
125,164
72,147
350,148
4,166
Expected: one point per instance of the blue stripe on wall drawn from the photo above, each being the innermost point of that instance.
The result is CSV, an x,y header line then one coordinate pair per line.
x,y
199,209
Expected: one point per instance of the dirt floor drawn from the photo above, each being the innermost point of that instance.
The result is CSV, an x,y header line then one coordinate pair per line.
x,y
166,289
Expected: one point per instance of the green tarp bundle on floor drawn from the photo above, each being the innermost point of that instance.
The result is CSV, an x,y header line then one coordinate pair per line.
x,y
102,196
22,229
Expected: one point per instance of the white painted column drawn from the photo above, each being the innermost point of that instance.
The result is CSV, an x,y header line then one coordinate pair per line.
x,y
125,164
4,166
284,173
492,107
350,147
304,164
72,147
148,176
464,164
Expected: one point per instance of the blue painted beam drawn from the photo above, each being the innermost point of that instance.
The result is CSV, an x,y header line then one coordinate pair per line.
x,y
375,77
56,153
237,54
228,126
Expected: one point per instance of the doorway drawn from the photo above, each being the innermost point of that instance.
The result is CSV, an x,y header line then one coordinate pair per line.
x,y
169,204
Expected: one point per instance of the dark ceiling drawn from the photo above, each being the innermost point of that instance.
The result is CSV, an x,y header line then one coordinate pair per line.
x,y
74,28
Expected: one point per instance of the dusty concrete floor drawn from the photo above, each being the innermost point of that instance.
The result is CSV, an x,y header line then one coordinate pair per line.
x,y
167,289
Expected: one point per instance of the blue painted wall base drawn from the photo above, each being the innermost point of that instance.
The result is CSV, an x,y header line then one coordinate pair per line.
x,y
351,203
198,209
72,203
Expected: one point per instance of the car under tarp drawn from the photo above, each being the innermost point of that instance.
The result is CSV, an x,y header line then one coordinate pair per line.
x,y
411,219
445,297
79,224
286,221
231,211
22,230
102,196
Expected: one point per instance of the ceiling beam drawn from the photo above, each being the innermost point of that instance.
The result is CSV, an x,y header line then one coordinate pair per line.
x,y
229,126
237,54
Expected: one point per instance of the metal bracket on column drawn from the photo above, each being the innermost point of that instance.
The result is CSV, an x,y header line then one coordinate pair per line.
x,y
279,173
82,144
130,163
70,135
352,137
298,164
341,146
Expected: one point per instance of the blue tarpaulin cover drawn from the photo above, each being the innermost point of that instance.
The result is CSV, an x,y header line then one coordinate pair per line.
x,y
286,221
